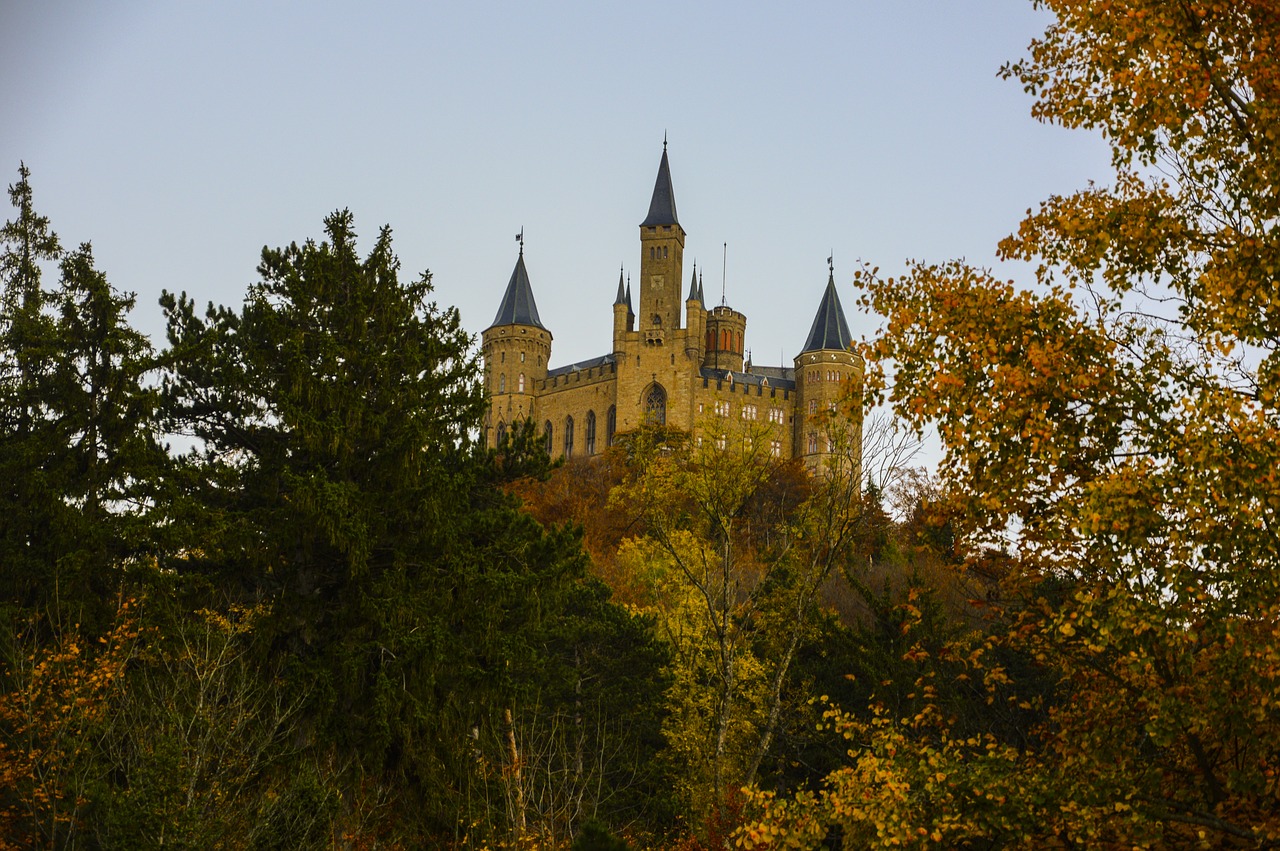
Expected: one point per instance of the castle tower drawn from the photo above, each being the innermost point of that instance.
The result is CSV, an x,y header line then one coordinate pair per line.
x,y
516,349
828,374
661,261
726,332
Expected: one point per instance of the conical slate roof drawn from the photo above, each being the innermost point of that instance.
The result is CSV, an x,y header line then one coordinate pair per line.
x,y
622,294
518,307
693,285
662,208
830,330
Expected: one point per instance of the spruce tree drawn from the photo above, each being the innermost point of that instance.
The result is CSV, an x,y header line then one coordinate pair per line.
x,y
338,476
78,454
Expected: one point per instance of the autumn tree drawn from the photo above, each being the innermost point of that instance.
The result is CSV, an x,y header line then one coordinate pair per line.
x,y
736,551
1114,429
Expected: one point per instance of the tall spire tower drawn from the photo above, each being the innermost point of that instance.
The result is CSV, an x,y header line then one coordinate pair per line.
x,y
661,261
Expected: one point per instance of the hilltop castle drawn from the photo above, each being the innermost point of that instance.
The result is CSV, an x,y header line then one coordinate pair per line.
x,y
691,376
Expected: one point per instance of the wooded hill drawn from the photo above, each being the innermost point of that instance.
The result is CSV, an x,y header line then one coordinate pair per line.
x,y
331,618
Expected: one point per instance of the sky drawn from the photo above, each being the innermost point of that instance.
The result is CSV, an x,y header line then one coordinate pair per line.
x,y
182,138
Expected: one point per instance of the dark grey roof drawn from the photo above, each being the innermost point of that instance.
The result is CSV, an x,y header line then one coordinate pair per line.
x,y
603,360
754,378
830,330
775,374
630,314
701,295
662,208
518,307
622,294
693,285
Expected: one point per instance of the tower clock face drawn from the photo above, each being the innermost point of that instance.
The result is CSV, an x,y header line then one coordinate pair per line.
x,y
656,280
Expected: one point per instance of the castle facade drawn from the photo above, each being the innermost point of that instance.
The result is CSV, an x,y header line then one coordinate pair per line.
x,y
687,371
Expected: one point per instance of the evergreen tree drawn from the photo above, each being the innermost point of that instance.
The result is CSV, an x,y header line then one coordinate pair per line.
x,y
26,349
338,477
77,426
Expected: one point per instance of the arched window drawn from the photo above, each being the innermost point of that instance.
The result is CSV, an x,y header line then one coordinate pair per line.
x,y
591,432
655,405
568,437
610,425
502,433
502,384
520,385
546,437
813,442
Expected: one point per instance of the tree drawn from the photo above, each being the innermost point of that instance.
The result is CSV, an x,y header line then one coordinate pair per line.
x,y
1116,431
338,478
79,456
26,354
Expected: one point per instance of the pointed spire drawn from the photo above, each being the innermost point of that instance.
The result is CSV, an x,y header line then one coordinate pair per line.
x,y
830,331
702,296
630,313
693,284
518,307
662,207
622,296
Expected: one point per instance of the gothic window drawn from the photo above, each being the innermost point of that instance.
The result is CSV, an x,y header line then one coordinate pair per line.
x,y
813,406
664,252
775,448
521,383
610,425
591,432
657,321
502,433
502,358
813,442
568,437
655,405
522,357
502,384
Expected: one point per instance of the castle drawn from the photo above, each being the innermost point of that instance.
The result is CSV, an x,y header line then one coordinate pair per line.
x,y
692,376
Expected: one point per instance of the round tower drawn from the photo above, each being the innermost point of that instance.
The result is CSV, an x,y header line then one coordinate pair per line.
x,y
516,349
828,420
726,331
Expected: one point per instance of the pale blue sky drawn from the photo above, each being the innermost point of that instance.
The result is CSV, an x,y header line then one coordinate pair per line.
x,y
182,137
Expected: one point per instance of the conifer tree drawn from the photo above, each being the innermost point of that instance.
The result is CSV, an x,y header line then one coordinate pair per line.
x,y
338,478
78,449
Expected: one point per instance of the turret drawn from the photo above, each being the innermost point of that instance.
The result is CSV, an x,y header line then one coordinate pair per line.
x,y
828,422
661,261
695,319
516,349
623,318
